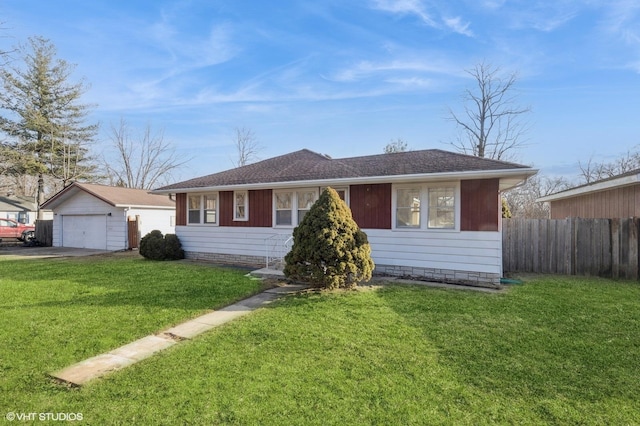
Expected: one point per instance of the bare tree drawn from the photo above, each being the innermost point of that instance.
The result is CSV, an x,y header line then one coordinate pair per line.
x,y
396,145
522,200
142,162
592,171
491,125
247,146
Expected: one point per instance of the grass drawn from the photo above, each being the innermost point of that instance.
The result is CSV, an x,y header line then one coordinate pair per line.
x,y
554,351
56,312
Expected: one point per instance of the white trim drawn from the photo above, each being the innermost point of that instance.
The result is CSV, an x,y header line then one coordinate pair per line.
x,y
144,206
246,206
424,206
422,177
203,210
594,187
294,204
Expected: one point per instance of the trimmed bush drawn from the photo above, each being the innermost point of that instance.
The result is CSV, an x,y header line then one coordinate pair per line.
x,y
329,249
173,247
154,246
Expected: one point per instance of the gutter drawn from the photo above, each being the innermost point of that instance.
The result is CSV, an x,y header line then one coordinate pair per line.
x,y
430,177
594,187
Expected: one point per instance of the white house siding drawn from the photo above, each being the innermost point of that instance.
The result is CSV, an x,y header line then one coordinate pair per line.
x,y
152,218
464,257
243,246
84,204
467,257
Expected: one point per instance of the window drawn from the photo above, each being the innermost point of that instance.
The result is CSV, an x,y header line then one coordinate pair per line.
x,y
291,206
342,193
194,208
202,209
305,201
426,206
442,208
284,207
210,208
240,205
408,208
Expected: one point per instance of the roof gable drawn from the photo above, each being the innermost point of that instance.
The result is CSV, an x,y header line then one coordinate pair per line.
x,y
306,165
112,195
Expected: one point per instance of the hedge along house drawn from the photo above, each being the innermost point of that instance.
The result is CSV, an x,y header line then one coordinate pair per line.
x,y
430,214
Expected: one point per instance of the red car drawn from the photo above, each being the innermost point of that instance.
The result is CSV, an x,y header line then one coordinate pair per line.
x,y
11,229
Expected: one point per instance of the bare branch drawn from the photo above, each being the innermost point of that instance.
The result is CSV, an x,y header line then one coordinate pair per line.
x,y
247,146
143,163
491,125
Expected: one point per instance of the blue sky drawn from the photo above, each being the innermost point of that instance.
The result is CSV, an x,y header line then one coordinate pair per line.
x,y
346,77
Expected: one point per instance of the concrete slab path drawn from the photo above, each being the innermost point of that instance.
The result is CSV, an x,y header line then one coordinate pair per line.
x,y
117,359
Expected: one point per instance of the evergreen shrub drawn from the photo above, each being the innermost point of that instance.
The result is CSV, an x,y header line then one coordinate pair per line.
x,y
329,249
154,246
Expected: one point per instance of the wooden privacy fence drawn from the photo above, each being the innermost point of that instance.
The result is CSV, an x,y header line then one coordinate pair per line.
x,y
600,247
133,232
44,232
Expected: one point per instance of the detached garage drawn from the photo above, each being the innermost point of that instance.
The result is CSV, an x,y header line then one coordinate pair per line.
x,y
100,217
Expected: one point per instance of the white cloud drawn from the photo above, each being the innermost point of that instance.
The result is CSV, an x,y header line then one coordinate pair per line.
x,y
458,26
405,7
366,69
417,8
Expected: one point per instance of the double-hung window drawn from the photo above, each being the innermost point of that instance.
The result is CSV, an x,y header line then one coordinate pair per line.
x,y
240,206
284,208
305,200
408,208
210,208
292,206
202,209
442,208
427,206
194,208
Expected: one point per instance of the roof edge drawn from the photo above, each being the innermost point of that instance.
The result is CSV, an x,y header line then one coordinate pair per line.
x,y
478,174
594,187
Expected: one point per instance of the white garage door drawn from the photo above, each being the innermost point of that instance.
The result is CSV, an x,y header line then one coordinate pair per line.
x,y
84,231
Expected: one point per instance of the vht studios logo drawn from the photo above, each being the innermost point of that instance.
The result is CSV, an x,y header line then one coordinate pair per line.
x,y
56,417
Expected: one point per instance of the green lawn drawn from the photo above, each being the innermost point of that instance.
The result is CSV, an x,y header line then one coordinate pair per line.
x,y
553,351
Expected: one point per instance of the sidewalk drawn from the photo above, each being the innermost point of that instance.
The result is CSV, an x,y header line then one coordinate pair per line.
x,y
80,373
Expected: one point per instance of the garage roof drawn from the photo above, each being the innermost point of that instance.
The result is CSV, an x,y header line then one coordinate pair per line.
x,y
115,196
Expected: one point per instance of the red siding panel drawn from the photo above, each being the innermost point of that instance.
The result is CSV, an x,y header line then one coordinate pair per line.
x,y
371,205
181,209
260,211
479,205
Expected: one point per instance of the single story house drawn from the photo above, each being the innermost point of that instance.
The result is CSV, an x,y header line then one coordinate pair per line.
x,y
20,209
96,216
431,214
610,198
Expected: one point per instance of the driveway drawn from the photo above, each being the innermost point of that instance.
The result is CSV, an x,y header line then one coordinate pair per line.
x,y
46,252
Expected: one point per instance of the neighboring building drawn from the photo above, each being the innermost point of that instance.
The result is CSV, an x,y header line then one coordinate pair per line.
x,y
430,214
614,197
20,209
97,216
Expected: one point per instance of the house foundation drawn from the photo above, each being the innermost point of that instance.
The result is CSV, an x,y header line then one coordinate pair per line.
x,y
471,278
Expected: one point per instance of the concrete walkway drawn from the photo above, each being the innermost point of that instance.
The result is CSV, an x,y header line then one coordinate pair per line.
x,y
80,373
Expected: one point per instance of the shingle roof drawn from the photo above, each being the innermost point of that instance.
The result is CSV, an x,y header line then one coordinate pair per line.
x,y
116,196
16,204
306,165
